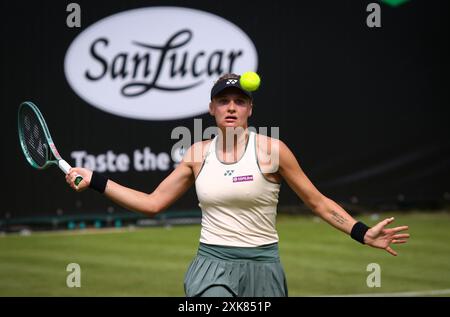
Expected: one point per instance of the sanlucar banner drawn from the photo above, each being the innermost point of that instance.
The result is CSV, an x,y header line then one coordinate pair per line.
x,y
156,63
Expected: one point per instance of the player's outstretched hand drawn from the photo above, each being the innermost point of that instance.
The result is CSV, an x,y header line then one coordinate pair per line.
x,y
380,237
73,173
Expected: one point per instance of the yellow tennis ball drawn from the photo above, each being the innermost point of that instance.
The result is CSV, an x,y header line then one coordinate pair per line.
x,y
250,81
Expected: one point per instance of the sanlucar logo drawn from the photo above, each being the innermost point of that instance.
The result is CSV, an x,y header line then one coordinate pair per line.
x,y
156,63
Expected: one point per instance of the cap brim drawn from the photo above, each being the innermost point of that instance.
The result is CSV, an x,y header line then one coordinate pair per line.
x,y
228,83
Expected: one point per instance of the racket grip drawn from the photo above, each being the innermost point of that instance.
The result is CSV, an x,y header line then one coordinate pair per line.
x,y
65,167
78,180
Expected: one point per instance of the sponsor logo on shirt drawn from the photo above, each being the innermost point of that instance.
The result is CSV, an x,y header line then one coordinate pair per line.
x,y
228,173
244,178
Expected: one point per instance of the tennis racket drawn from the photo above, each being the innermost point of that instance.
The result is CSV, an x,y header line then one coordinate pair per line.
x,y
36,142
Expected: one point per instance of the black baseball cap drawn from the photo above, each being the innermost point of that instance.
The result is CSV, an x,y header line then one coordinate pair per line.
x,y
223,84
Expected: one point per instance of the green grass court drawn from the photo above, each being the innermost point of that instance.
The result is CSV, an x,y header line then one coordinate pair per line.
x,y
318,259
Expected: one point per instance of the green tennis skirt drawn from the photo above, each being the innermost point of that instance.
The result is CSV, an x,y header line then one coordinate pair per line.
x,y
242,271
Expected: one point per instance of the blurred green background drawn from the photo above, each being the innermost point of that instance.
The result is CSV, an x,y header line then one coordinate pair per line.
x,y
318,259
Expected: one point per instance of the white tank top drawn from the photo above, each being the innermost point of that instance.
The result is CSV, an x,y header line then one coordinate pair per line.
x,y
239,205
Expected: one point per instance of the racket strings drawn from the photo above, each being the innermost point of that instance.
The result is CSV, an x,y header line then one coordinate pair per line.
x,y
34,136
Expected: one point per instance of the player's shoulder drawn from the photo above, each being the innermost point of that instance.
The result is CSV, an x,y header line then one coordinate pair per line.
x,y
265,138
269,144
203,145
197,151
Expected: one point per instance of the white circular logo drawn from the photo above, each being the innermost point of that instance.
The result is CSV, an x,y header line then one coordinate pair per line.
x,y
156,63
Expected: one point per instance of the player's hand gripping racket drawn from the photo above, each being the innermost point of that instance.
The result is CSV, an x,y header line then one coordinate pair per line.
x,y
36,142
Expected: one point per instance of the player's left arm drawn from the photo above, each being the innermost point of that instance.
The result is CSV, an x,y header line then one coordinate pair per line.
x,y
378,236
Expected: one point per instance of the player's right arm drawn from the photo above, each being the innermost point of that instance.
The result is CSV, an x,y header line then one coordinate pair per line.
x,y
167,192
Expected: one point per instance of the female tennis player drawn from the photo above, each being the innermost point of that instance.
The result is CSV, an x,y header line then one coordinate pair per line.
x,y
237,177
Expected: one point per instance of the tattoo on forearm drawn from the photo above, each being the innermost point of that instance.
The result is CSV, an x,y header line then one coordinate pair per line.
x,y
338,218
